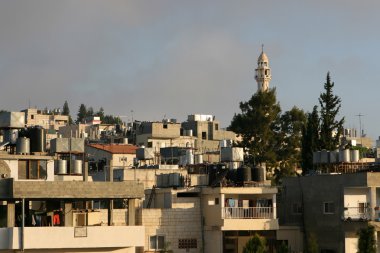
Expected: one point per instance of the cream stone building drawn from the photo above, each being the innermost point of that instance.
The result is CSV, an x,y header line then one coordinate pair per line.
x,y
35,117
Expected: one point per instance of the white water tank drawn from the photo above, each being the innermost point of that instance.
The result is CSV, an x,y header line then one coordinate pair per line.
x,y
62,167
355,156
77,166
189,156
344,156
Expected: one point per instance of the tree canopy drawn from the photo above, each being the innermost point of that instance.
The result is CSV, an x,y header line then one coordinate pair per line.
x,y
367,241
256,244
331,128
258,124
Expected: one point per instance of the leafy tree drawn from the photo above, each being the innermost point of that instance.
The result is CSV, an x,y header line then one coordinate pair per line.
x,y
66,111
291,125
310,140
330,105
258,124
82,112
256,244
65,108
367,242
109,119
283,248
100,113
90,112
312,244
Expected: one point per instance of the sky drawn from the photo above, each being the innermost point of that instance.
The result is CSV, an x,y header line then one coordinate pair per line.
x,y
150,60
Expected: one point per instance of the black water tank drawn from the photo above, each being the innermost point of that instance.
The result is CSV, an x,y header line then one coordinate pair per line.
x,y
37,139
212,173
258,173
243,174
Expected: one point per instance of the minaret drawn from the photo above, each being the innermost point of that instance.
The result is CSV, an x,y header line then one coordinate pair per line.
x,y
263,75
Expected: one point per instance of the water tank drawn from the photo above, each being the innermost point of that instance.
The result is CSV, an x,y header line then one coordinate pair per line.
x,y
37,139
355,156
316,157
62,167
334,156
223,143
125,140
165,180
23,145
159,179
77,167
344,156
174,179
189,156
247,173
212,174
324,156
258,174
198,159
190,132
11,135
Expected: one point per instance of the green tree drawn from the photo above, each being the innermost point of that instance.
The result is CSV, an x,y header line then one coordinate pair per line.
x,y
258,124
283,248
312,244
90,112
330,105
367,242
82,113
310,140
66,111
256,244
100,113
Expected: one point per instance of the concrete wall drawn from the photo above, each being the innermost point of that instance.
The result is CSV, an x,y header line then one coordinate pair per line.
x,y
174,224
67,237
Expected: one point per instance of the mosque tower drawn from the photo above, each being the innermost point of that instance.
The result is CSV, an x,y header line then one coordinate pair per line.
x,y
263,75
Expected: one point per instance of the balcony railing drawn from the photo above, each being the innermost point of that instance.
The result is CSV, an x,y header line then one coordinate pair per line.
x,y
357,213
248,213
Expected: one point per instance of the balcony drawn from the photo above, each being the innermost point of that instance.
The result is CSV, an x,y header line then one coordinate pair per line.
x,y
72,237
360,213
248,213
249,218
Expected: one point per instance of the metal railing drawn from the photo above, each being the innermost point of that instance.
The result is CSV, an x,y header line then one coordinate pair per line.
x,y
247,213
357,213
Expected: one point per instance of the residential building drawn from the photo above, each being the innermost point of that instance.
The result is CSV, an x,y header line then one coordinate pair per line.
x,y
51,120
43,212
333,207
209,219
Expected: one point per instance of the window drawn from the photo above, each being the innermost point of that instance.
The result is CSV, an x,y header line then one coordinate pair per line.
x,y
187,243
204,135
362,208
216,201
32,116
156,242
165,126
328,207
297,208
150,144
216,126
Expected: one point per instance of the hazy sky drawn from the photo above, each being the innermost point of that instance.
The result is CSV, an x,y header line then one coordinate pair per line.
x,y
176,58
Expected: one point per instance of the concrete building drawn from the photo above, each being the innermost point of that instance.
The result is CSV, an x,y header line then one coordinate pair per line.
x,y
35,117
207,131
206,219
332,207
41,214
114,156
